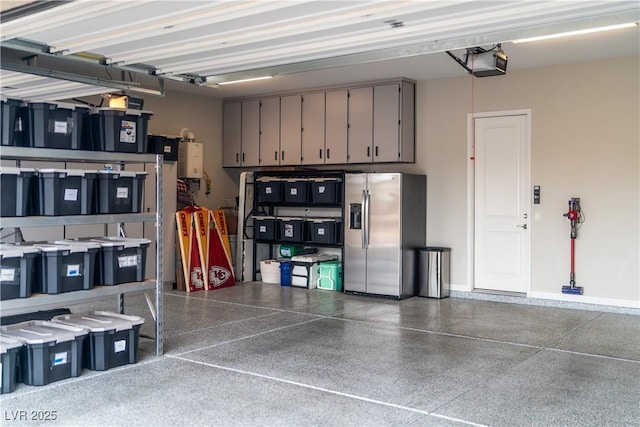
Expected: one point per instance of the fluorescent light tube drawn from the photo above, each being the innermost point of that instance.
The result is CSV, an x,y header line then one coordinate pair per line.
x,y
230,82
576,33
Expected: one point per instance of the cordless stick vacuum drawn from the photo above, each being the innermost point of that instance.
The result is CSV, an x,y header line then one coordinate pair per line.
x,y
574,215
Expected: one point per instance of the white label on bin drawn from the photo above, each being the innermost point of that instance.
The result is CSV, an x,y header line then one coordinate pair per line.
x,y
7,275
320,231
73,270
294,191
122,192
60,127
288,230
71,194
119,346
263,228
128,261
321,189
128,131
167,149
267,190
60,359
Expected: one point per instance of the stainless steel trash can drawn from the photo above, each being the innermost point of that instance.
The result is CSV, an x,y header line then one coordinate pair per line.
x,y
434,264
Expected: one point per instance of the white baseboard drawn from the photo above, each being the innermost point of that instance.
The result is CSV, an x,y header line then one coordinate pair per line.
x,y
614,302
550,299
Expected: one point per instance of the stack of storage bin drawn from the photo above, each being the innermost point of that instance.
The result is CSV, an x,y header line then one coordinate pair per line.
x,y
306,269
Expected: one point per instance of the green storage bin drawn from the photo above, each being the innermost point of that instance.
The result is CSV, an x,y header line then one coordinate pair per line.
x,y
330,276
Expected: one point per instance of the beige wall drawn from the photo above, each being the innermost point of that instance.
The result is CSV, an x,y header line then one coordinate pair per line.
x,y
203,115
585,143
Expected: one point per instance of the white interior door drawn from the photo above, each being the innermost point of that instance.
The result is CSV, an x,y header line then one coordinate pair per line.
x,y
502,252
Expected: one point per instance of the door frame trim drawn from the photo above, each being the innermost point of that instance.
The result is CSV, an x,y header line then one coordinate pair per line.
x,y
471,189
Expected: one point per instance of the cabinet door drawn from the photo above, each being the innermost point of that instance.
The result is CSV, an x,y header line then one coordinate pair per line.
x,y
232,134
360,125
291,130
336,126
250,133
270,132
408,126
386,123
313,126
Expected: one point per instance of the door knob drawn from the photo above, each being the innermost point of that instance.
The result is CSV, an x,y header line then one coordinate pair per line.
x,y
524,226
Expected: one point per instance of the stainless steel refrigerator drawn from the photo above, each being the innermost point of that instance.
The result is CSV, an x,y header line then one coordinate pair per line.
x,y
386,221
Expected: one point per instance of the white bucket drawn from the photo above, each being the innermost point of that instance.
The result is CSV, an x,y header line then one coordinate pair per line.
x,y
270,271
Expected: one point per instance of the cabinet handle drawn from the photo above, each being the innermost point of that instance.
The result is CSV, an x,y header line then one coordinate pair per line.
x,y
242,157
320,153
328,153
376,151
237,157
275,155
368,151
282,158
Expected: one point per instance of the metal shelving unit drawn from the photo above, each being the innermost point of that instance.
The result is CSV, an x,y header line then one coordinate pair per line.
x,y
44,301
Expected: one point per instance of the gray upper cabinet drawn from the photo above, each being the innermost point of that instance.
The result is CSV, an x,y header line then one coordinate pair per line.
x,y
368,123
394,122
270,132
291,130
360,139
250,133
313,118
336,127
232,135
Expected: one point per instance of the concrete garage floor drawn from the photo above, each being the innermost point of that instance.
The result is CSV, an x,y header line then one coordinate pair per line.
x,y
265,355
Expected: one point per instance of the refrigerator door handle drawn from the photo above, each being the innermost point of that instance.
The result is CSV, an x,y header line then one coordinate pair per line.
x,y
366,199
363,219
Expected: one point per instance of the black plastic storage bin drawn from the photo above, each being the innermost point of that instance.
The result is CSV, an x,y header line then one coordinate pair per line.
x,y
10,348
112,340
325,231
52,351
11,125
291,229
122,260
66,191
265,227
296,191
66,267
165,145
326,191
15,191
119,130
120,191
57,125
269,190
17,266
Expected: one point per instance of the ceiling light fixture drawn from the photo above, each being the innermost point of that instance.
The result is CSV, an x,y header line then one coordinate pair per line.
x,y
230,82
577,32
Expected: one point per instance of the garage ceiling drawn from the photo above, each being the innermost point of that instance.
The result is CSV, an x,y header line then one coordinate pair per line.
x,y
301,43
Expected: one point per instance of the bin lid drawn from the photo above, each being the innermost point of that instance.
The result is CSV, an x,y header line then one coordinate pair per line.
x,y
126,174
68,172
127,242
128,112
100,321
88,244
8,342
314,258
323,180
54,104
57,247
269,179
12,170
322,219
42,331
15,251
